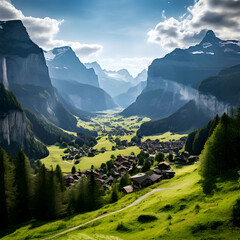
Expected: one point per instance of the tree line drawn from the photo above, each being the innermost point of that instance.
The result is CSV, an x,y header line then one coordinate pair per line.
x,y
41,194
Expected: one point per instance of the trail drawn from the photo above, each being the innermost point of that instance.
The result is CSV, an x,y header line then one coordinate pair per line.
x,y
108,214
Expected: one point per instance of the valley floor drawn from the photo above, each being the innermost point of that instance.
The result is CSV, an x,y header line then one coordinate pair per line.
x,y
181,211
105,124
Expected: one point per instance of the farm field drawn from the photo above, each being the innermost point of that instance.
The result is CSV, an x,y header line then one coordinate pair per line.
x,y
106,122
180,211
56,153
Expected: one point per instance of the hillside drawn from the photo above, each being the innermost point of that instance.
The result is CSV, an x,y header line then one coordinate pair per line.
x,y
225,86
15,131
181,211
177,75
83,96
187,118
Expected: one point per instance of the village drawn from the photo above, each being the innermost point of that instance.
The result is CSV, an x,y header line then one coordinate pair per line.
x,y
140,176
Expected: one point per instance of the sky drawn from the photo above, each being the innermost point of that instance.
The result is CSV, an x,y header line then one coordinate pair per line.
x,y
123,33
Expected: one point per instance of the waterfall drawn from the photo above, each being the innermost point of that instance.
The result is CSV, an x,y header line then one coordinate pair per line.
x,y
4,71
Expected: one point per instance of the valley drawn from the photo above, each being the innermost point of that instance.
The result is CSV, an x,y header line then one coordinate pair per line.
x,y
104,136
108,125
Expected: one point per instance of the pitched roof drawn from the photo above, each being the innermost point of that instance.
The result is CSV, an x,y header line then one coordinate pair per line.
x,y
128,189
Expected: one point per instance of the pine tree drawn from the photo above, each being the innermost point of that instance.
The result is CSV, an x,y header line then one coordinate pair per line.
x,y
22,180
3,197
73,171
114,194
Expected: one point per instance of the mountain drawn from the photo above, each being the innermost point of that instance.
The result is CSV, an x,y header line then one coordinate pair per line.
x,y
225,85
15,130
141,77
24,71
83,96
63,63
186,119
125,99
113,82
180,72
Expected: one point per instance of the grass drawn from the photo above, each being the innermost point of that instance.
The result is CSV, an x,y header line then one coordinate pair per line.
x,y
189,215
55,158
104,142
165,137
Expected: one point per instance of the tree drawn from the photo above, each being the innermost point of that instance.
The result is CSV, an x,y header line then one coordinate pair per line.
x,y
114,194
219,153
3,197
94,193
73,171
146,166
140,160
104,167
60,179
124,181
22,180
159,157
170,157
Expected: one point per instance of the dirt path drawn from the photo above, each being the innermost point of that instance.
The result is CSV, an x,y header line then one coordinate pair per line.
x,y
108,214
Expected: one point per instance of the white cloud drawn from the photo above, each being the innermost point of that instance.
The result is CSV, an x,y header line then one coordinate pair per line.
x,y
221,16
43,31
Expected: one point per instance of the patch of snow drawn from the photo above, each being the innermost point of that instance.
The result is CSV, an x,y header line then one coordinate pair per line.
x,y
198,52
57,67
49,55
65,67
207,45
228,50
210,53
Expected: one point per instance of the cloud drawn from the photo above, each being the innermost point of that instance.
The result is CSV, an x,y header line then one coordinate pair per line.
x,y
43,31
221,16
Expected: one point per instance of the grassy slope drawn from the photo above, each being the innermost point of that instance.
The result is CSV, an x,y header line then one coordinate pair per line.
x,y
165,137
55,158
183,199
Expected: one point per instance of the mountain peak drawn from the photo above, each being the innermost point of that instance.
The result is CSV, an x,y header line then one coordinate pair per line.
x,y
210,37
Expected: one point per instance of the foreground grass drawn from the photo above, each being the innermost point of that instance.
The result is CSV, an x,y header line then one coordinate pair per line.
x,y
56,153
179,212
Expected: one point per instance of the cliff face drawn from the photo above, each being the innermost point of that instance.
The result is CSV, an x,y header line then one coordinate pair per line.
x,y
21,60
23,70
13,128
64,64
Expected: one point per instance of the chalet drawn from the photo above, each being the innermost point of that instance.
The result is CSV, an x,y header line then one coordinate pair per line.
x,y
193,158
127,189
155,178
164,165
121,158
110,180
140,180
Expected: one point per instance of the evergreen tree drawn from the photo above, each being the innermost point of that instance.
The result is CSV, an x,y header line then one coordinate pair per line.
x,y
159,157
146,166
140,161
124,181
60,178
73,171
94,197
22,180
3,197
114,194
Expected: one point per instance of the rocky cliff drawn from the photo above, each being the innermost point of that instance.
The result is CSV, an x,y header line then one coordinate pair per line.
x,y
63,63
23,70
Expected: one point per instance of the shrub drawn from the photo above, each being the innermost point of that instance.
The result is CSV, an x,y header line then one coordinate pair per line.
x,y
122,227
147,218
167,207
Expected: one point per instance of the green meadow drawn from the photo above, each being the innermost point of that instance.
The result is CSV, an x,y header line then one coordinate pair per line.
x,y
181,211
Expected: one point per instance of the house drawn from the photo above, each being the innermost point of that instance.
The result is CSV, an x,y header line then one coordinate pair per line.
x,y
164,165
155,178
140,180
127,189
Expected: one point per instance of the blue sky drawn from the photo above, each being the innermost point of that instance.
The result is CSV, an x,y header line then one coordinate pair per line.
x,y
123,33
120,26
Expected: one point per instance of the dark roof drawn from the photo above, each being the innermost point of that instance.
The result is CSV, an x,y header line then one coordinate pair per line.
x,y
155,177
139,178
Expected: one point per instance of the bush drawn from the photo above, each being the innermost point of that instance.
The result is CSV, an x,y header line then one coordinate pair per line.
x,y
147,218
122,227
204,226
167,207
236,213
